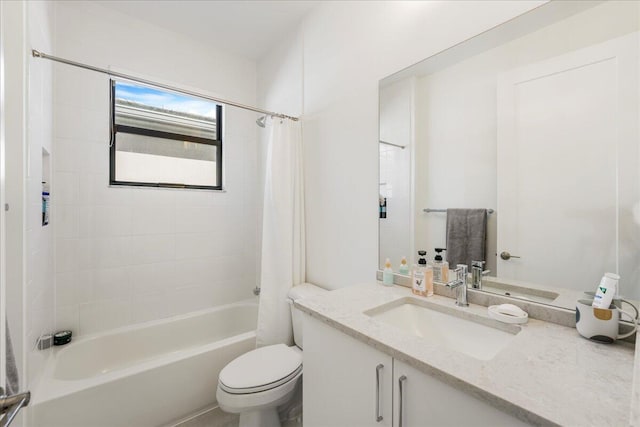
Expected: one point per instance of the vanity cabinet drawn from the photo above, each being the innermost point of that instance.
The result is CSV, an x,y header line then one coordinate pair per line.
x,y
348,383
345,382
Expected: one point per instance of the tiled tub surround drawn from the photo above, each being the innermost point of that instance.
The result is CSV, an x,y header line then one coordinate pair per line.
x,y
126,255
547,375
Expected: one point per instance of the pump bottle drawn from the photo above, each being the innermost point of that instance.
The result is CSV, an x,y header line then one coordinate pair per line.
x,y
422,277
440,267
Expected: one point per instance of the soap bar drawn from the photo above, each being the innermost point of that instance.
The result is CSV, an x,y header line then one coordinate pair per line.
x,y
62,337
508,313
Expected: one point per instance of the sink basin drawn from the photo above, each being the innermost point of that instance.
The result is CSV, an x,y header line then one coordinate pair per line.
x,y
520,292
455,329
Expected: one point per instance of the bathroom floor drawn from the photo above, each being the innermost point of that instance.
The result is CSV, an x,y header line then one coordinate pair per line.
x,y
217,418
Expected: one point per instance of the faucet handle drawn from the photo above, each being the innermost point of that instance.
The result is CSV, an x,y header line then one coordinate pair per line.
x,y
479,264
462,270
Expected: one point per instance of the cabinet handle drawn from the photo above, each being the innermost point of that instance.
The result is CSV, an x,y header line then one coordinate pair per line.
x,y
401,381
378,414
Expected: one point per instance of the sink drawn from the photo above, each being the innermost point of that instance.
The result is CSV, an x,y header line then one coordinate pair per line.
x,y
520,292
458,330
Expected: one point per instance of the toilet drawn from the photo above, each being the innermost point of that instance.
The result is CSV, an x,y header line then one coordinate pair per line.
x,y
256,383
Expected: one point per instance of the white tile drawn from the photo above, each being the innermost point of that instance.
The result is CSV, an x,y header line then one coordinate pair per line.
x,y
82,124
78,88
101,316
67,288
149,279
65,189
95,158
67,318
85,254
66,255
153,219
155,196
191,219
152,248
66,219
85,221
111,283
145,308
111,252
198,245
68,155
200,271
84,288
110,221
187,299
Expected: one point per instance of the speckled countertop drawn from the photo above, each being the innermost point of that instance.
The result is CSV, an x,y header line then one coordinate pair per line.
x,y
547,375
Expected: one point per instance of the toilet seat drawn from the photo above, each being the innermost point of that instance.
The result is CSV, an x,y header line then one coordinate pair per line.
x,y
261,369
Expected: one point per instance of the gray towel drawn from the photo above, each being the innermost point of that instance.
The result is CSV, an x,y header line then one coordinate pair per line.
x,y
13,383
466,236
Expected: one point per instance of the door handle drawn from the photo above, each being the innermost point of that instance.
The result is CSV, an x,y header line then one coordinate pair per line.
x,y
507,256
10,405
401,381
378,385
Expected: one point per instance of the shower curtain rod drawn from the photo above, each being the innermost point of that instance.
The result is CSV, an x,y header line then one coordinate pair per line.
x,y
38,54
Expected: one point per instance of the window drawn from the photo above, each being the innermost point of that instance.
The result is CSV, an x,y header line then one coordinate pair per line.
x,y
164,139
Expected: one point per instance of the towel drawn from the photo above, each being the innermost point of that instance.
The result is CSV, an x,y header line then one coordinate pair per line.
x,y
13,383
466,236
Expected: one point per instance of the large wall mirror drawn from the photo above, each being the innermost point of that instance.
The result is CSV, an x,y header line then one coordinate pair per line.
x,y
537,122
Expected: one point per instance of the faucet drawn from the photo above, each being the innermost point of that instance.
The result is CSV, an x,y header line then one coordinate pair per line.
x,y
476,274
460,285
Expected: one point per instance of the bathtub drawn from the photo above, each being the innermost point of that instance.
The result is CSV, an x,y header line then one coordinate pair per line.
x,y
145,375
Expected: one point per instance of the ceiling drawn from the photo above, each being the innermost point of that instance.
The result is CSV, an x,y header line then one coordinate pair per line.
x,y
247,28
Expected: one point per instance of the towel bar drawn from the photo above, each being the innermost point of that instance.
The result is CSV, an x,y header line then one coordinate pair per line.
x,y
444,210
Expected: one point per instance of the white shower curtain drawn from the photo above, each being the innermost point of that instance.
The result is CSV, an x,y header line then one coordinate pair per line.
x,y
283,238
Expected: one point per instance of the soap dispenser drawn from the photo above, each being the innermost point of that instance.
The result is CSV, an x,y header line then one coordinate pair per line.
x,y
440,267
422,277
387,273
404,267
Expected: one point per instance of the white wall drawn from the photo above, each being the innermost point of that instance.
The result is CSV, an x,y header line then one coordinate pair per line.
x,y
127,255
40,290
343,49
12,40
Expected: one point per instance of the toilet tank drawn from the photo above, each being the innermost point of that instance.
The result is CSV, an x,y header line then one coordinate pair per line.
x,y
303,290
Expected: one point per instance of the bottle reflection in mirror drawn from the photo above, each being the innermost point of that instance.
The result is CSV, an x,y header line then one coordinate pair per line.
x,y
383,207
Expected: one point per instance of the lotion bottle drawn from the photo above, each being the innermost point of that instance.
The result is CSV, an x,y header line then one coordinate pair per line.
x,y
607,289
387,273
404,267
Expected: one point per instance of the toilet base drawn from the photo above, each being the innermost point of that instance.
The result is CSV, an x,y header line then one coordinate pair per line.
x,y
267,417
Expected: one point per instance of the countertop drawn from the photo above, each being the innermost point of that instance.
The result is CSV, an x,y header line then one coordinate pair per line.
x,y
547,375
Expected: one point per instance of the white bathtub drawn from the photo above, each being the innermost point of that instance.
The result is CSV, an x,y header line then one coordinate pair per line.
x,y
145,375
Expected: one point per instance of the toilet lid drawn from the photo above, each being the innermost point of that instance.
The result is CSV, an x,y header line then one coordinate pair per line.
x,y
261,369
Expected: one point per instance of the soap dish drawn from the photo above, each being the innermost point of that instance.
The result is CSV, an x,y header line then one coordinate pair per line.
x,y
505,313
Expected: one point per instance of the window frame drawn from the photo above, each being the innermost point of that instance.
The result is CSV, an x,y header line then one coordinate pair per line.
x,y
115,128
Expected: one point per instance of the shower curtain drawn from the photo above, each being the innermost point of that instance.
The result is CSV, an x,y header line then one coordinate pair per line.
x,y
283,235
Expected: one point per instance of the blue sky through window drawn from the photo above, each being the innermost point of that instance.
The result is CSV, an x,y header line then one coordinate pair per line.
x,y
165,99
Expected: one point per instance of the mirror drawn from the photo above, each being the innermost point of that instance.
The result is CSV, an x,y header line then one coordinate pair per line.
x,y
537,122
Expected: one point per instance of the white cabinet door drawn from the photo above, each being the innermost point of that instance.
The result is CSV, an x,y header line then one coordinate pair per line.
x,y
345,382
568,166
425,401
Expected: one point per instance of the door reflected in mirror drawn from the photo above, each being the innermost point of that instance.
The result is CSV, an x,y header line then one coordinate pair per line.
x,y
536,120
